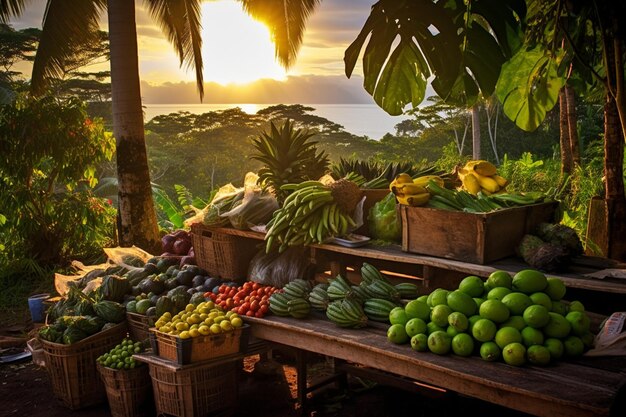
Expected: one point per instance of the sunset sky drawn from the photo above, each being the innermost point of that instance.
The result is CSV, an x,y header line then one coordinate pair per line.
x,y
238,49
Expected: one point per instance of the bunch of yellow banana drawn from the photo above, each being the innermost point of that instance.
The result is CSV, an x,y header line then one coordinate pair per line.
x,y
481,176
412,192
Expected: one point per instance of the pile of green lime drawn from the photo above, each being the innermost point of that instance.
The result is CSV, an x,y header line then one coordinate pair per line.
x,y
516,319
121,356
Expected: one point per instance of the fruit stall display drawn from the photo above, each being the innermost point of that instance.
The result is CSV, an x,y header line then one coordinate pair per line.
x,y
190,315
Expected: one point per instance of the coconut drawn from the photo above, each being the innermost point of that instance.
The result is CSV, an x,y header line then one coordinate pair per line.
x,y
346,194
549,257
561,235
528,246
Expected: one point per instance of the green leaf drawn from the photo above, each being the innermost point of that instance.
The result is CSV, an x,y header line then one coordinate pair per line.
x,y
168,207
504,20
528,87
400,82
458,47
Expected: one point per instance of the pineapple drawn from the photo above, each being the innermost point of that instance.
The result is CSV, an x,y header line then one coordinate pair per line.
x,y
288,157
346,194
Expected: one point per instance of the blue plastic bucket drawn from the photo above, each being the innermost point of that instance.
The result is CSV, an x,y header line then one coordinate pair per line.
x,y
37,307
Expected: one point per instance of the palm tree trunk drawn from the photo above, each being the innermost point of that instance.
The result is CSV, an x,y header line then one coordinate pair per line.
x,y
614,177
574,146
566,155
614,156
137,223
476,132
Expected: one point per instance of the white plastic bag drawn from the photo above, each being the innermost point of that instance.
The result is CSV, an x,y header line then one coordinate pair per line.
x,y
611,339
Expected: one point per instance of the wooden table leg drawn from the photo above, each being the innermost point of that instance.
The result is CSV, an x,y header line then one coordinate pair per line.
x,y
338,268
301,360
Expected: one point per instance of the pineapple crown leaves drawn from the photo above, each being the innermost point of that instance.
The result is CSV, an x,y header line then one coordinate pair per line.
x,y
288,155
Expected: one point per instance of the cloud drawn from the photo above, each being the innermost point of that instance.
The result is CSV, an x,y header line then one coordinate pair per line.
x,y
312,89
329,31
31,18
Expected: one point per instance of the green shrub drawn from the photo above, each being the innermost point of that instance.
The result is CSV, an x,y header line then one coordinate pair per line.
x,y
49,151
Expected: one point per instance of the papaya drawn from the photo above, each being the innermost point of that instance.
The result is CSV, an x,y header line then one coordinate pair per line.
x,y
142,306
163,305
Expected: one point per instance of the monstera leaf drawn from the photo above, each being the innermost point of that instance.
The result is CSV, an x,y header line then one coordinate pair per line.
x,y
459,48
529,87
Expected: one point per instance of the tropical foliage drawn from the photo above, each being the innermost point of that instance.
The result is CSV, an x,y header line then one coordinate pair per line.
x,y
50,151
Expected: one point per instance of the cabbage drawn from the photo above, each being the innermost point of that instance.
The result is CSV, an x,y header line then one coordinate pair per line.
x,y
384,221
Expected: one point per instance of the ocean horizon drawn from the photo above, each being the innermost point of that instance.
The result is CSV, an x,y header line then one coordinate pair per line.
x,y
359,119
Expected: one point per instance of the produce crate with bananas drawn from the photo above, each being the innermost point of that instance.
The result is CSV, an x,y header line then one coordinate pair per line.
x,y
481,190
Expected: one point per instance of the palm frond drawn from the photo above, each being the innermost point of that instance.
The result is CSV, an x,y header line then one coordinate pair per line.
x,y
180,21
10,8
65,25
168,207
286,20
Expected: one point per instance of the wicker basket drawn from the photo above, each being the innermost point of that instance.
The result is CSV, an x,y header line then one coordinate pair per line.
x,y
138,326
72,368
220,254
129,391
203,389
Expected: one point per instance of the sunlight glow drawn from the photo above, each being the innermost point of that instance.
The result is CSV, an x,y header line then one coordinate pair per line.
x,y
236,48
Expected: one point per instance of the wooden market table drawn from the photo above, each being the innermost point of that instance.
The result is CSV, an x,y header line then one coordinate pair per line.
x,y
585,387
431,272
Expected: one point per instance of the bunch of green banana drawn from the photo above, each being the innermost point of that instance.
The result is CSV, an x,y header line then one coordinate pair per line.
x,y
309,215
412,192
481,176
293,300
318,297
461,200
346,313
345,304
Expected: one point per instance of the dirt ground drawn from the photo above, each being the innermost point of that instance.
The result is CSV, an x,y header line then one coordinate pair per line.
x,y
266,389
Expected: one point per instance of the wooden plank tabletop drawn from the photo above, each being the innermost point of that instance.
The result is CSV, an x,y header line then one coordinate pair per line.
x,y
587,387
575,278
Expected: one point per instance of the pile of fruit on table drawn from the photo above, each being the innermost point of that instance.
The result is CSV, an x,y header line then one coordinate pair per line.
x,y
515,319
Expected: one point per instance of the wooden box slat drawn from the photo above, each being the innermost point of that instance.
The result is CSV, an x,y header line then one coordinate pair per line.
x,y
470,237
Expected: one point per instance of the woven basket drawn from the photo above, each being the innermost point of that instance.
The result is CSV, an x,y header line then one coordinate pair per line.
x,y
138,325
195,390
222,255
201,348
129,391
72,368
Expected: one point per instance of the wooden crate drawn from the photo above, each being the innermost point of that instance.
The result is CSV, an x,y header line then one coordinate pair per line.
x,y
201,348
478,238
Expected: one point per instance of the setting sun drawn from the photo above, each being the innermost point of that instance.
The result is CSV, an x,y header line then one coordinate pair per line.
x,y
236,48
